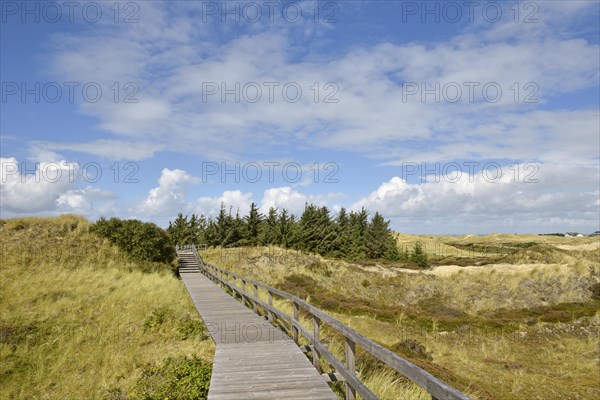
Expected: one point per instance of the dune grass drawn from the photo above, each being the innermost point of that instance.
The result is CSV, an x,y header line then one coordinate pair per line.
x,y
79,320
525,327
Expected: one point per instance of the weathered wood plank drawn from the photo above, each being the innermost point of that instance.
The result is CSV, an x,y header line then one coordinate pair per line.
x,y
253,359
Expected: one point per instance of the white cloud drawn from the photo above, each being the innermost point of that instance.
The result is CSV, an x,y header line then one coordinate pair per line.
x,y
233,200
293,200
371,118
35,187
169,197
47,187
83,200
481,201
106,148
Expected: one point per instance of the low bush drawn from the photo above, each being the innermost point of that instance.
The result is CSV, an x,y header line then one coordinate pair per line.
x,y
178,378
143,241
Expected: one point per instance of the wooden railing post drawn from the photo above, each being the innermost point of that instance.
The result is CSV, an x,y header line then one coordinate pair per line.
x,y
297,318
256,296
316,335
351,365
270,315
243,289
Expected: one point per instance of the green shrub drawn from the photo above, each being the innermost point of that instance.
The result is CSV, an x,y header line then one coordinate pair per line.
x,y
158,317
178,378
419,257
189,328
412,349
143,241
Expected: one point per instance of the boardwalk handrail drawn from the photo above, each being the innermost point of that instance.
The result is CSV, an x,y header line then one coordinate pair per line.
x,y
438,389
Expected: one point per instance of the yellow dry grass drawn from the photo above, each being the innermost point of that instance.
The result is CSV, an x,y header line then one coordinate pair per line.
x,y
504,307
73,313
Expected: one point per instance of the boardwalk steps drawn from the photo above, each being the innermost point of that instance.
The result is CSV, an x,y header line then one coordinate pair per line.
x,y
187,263
256,360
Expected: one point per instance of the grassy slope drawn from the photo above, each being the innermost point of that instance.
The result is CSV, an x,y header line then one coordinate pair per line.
x,y
518,326
77,319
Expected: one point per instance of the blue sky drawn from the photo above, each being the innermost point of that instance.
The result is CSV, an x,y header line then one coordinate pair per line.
x,y
447,117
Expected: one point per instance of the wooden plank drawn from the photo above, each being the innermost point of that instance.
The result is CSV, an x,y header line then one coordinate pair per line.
x,y
253,359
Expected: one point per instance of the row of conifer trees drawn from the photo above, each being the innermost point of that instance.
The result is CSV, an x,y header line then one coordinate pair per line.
x,y
350,235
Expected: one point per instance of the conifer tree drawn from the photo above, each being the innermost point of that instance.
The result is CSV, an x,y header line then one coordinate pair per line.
x,y
253,225
285,225
211,233
358,222
235,232
393,253
180,230
377,237
197,227
307,235
419,257
222,225
269,234
343,239
326,232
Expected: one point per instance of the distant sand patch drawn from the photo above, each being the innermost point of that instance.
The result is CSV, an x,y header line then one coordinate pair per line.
x,y
586,246
445,270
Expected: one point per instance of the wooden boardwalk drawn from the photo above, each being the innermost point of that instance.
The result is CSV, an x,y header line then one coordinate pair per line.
x,y
253,359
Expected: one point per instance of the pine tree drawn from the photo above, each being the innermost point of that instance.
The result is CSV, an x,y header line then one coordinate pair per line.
x,y
180,230
343,239
307,235
235,233
316,231
358,222
269,234
197,226
393,253
419,257
326,232
211,233
377,237
222,226
285,225
253,225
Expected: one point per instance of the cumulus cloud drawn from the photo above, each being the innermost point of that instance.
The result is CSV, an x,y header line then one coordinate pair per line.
x,y
169,197
484,200
83,201
48,187
234,200
293,200
33,188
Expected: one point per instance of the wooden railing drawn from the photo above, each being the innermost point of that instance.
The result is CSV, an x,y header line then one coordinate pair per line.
x,y
344,370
